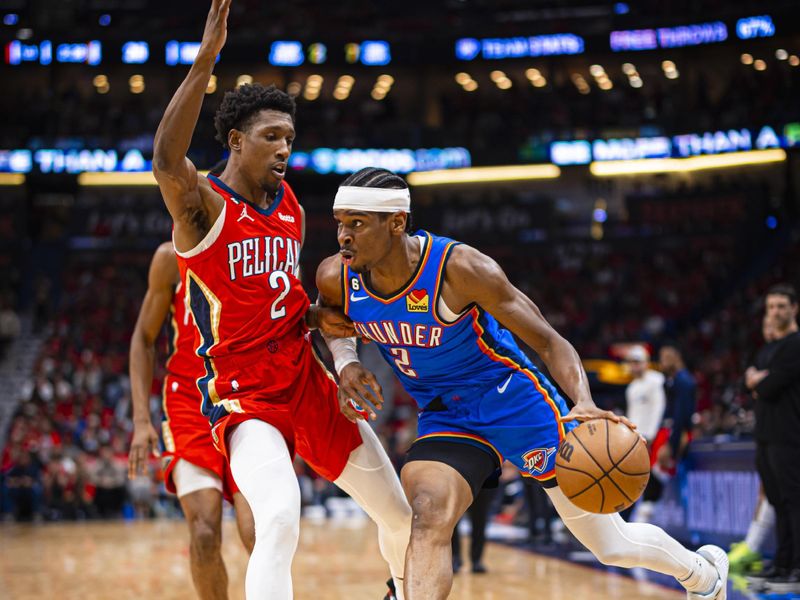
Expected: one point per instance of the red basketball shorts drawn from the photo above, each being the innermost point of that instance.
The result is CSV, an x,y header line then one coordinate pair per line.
x,y
185,434
307,415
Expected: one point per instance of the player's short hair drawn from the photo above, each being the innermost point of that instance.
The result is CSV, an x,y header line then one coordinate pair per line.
x,y
239,106
783,289
375,178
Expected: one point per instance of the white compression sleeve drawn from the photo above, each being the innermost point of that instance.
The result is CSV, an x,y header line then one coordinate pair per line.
x,y
615,542
370,479
262,468
343,351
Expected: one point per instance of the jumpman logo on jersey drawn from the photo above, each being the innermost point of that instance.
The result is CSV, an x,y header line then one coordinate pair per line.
x,y
244,215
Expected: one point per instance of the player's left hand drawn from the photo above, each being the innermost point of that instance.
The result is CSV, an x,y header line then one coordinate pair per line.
x,y
331,321
358,385
144,443
587,413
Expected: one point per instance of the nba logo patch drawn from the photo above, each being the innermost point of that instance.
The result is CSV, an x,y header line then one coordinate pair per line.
x,y
417,301
536,460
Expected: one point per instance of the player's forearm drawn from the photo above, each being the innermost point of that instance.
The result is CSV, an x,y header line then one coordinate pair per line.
x,y
565,366
142,359
174,133
343,350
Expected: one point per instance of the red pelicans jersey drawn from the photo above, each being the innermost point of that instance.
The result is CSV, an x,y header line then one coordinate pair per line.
x,y
247,301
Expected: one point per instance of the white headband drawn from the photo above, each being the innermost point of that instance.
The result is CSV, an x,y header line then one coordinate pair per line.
x,y
372,199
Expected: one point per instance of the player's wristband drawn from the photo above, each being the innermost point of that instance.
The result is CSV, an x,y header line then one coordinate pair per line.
x,y
343,351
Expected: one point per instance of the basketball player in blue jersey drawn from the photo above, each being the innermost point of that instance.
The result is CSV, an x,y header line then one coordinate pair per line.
x,y
443,315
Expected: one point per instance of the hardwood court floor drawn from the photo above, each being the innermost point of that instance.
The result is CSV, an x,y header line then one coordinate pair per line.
x,y
335,561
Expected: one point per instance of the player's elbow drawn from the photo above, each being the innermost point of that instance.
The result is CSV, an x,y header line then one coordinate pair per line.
x,y
327,278
163,165
165,160
142,343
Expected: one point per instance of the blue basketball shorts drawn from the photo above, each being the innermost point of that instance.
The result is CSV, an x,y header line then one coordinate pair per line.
x,y
517,420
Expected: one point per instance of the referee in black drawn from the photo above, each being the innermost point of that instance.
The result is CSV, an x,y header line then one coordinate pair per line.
x,y
775,383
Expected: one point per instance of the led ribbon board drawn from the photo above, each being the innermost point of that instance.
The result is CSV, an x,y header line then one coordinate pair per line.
x,y
519,47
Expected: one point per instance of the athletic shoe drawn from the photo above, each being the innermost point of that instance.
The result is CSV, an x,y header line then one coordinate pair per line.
x,y
741,558
391,594
758,581
786,584
719,560
479,568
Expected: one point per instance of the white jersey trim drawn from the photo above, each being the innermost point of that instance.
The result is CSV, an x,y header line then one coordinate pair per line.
x,y
208,240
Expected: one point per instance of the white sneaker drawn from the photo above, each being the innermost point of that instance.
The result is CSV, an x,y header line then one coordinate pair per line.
x,y
719,560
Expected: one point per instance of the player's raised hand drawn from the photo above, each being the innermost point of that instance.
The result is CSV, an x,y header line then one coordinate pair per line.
x,y
145,443
216,31
357,384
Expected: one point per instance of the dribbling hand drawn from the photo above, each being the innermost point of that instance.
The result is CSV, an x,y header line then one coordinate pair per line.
x,y
357,384
216,30
145,443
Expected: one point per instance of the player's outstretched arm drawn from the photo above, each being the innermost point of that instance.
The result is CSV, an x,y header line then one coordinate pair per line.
x,y
474,278
176,175
161,280
355,382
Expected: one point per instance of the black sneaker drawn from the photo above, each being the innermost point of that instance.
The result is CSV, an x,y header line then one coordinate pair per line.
x,y
769,573
478,568
758,581
786,584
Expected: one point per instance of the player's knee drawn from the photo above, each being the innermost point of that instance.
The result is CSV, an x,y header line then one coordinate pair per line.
x,y
205,535
430,515
280,524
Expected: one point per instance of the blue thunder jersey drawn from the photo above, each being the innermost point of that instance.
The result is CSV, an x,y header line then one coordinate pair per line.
x,y
432,357
469,377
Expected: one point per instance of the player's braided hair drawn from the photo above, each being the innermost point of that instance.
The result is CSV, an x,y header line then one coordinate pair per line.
x,y
240,105
375,178
379,178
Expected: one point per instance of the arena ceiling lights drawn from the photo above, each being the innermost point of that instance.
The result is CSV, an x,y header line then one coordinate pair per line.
x,y
12,179
484,175
686,165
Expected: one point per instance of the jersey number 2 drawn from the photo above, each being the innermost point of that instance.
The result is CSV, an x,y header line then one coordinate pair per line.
x,y
278,279
403,362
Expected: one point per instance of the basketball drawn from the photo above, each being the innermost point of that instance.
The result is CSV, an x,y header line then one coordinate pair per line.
x,y
602,466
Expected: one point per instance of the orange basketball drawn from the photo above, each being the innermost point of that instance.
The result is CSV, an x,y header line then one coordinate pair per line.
x,y
602,466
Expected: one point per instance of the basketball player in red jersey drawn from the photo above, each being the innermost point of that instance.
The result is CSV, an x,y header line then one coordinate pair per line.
x,y
193,469
238,238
